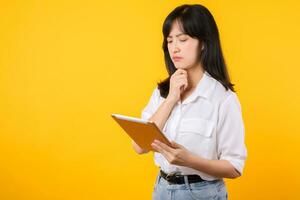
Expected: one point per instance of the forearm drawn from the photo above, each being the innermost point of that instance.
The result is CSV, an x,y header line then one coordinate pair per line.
x,y
217,168
162,113
159,118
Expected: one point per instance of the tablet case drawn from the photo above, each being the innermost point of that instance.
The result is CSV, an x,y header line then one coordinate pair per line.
x,y
143,132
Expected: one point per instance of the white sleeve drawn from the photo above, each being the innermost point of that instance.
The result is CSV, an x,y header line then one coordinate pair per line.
x,y
152,105
231,133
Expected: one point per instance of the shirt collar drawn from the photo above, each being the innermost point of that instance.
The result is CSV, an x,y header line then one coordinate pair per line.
x,y
204,85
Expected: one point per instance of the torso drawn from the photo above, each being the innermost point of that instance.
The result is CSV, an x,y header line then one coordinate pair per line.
x,y
194,125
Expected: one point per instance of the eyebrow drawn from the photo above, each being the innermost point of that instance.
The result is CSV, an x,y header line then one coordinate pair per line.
x,y
177,35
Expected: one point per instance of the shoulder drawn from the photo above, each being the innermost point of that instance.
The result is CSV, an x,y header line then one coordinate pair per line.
x,y
156,92
220,95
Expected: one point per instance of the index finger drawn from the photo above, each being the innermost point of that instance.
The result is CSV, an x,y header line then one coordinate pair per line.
x,y
165,146
182,71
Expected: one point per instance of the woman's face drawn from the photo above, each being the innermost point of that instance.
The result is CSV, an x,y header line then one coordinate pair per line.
x,y
184,46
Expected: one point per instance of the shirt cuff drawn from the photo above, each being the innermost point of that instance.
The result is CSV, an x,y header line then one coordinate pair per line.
x,y
238,164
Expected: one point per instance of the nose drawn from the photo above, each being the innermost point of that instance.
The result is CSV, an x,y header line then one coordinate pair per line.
x,y
175,47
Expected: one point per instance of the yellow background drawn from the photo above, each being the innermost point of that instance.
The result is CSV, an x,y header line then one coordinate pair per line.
x,y
65,66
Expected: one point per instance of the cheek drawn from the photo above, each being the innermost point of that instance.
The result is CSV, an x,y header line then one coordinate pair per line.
x,y
190,52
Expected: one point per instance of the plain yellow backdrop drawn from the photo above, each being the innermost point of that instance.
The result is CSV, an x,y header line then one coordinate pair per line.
x,y
65,66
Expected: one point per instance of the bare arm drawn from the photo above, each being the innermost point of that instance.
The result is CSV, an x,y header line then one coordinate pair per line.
x,y
163,112
178,83
179,155
159,118
218,168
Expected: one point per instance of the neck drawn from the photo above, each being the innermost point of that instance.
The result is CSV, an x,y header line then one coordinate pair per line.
x,y
194,75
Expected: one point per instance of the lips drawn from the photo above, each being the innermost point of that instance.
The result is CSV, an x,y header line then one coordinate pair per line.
x,y
176,58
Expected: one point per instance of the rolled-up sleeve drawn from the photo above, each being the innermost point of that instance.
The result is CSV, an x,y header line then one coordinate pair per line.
x,y
151,106
231,133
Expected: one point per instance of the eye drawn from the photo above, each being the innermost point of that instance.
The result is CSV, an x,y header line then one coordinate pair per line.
x,y
169,41
183,40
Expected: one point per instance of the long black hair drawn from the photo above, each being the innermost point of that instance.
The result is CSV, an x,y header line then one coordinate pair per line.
x,y
197,22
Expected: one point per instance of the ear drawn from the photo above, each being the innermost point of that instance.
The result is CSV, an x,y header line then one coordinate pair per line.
x,y
203,44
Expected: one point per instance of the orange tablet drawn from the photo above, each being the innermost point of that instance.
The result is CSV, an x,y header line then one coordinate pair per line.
x,y
143,132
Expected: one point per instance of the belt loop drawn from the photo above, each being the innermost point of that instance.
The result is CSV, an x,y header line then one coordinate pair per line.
x,y
186,182
187,185
157,179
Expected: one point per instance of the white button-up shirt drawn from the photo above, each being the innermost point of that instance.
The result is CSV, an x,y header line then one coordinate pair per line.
x,y
208,123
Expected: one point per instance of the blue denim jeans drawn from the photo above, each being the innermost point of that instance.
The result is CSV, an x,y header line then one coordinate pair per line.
x,y
207,190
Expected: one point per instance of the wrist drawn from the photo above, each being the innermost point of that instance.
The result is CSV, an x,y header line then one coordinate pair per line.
x,y
195,161
191,160
171,100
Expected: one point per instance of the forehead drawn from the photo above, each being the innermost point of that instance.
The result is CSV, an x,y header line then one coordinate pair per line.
x,y
176,30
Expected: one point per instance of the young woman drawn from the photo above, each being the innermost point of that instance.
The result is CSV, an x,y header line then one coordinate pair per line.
x,y
197,109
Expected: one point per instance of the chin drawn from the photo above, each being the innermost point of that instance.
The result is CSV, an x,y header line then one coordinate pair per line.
x,y
181,67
